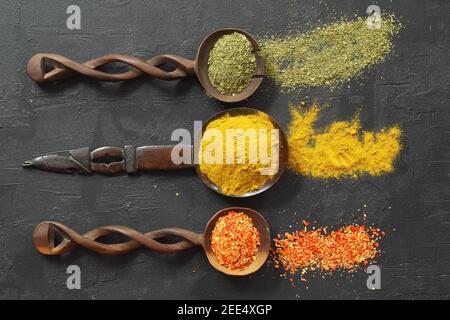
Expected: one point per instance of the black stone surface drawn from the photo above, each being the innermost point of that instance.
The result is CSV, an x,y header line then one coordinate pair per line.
x,y
410,89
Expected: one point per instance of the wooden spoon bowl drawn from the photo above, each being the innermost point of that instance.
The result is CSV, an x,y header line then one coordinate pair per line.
x,y
263,251
201,66
282,153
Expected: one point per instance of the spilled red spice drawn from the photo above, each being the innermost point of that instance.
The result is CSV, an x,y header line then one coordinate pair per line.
x,y
235,240
315,250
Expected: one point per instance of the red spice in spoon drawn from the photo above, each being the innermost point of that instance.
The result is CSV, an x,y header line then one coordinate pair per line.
x,y
235,240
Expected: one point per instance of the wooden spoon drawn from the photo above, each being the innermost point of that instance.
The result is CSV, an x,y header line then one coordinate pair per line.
x,y
64,67
44,238
113,160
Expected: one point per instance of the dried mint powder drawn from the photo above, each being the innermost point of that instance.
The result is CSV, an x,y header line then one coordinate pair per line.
x,y
328,55
231,64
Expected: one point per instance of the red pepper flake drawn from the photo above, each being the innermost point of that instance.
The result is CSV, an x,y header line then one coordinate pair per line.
x,y
347,248
235,240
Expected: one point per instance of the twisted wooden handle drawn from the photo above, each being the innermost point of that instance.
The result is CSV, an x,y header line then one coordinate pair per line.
x,y
44,239
64,67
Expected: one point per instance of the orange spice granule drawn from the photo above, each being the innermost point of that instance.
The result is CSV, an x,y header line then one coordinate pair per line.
x,y
235,240
345,249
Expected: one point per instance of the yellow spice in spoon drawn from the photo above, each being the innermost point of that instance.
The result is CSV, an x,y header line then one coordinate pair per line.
x,y
226,156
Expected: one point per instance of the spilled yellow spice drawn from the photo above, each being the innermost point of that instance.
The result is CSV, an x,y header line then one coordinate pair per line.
x,y
342,149
240,175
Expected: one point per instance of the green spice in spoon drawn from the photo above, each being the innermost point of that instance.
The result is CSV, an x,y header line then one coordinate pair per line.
x,y
231,64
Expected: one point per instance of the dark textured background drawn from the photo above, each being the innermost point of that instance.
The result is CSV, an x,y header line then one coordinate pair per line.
x,y
410,89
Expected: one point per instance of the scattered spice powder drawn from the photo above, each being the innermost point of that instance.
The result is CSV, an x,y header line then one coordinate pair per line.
x,y
306,250
328,55
231,64
235,240
341,150
241,175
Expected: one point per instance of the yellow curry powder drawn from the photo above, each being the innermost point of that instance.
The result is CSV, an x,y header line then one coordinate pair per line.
x,y
342,149
242,175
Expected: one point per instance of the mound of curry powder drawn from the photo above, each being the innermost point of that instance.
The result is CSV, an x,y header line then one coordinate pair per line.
x,y
230,155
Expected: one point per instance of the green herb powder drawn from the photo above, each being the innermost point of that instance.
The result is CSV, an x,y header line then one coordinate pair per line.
x,y
231,64
328,55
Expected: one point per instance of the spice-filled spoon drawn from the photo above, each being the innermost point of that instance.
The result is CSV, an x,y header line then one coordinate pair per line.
x,y
64,67
45,240
130,159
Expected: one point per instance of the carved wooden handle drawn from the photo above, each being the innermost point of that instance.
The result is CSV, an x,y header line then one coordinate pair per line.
x,y
44,239
64,67
110,160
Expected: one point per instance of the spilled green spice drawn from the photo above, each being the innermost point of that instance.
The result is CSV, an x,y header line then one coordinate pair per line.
x,y
329,55
231,64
